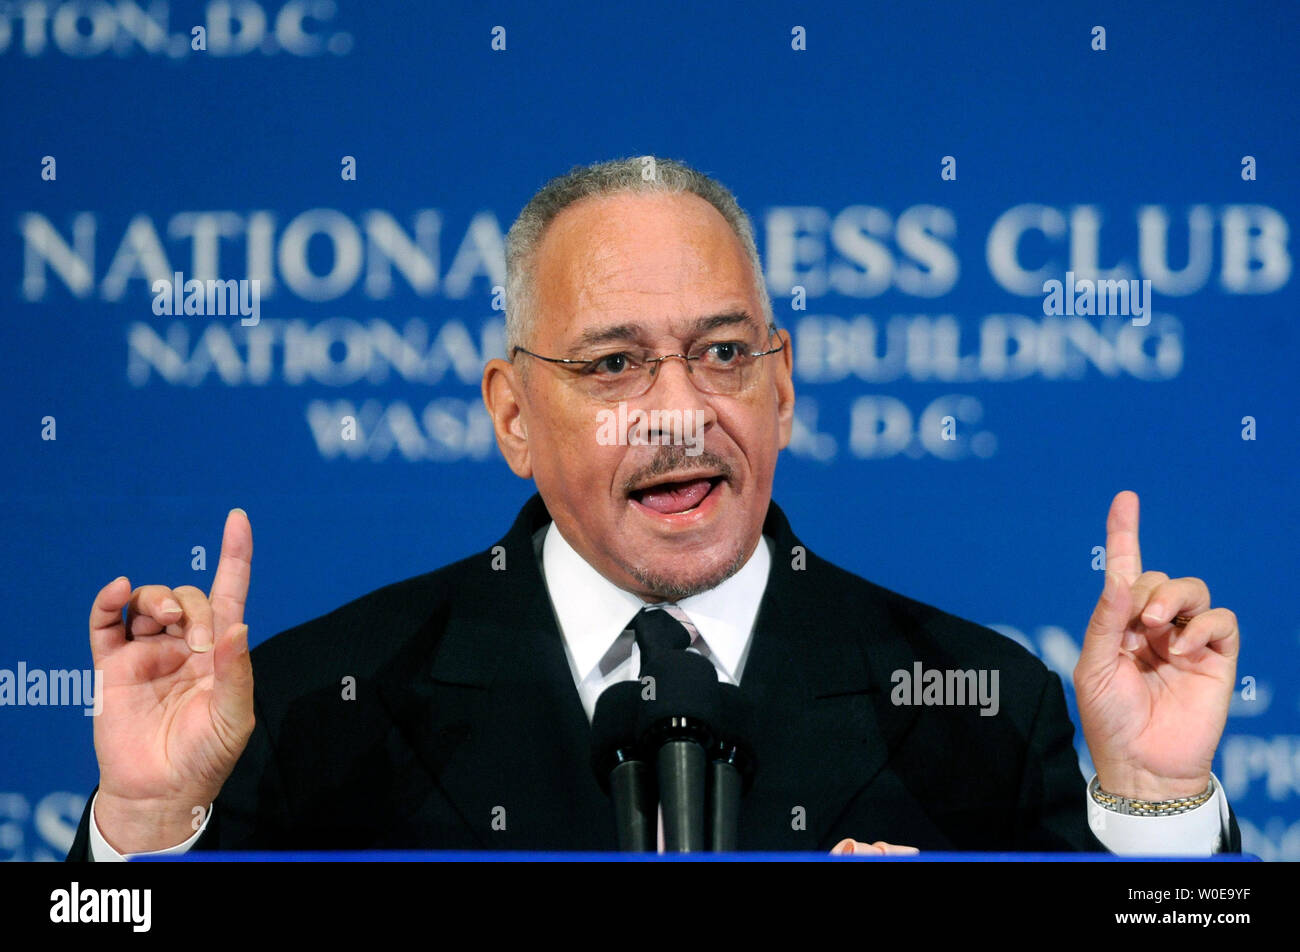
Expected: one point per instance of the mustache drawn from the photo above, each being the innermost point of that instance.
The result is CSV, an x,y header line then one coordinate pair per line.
x,y
672,459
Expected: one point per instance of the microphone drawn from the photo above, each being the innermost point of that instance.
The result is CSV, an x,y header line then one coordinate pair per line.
x,y
618,766
732,767
676,724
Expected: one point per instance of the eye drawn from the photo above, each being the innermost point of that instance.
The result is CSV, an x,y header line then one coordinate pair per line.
x,y
611,365
724,353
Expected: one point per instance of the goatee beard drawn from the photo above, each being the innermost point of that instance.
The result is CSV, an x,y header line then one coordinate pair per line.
x,y
674,588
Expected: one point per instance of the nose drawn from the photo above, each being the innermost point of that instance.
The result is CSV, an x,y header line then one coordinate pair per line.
x,y
672,387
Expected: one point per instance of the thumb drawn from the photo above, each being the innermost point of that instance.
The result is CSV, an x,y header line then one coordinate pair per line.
x,y
232,686
1105,632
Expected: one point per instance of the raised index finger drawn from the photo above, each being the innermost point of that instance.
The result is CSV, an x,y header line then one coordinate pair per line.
x,y
230,586
1123,556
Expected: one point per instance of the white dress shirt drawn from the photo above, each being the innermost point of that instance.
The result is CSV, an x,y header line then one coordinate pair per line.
x,y
594,616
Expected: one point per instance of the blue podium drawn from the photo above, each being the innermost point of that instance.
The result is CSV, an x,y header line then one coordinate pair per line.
x,y
469,856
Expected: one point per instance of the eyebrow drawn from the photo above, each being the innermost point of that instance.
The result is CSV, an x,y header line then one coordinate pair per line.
x,y
633,332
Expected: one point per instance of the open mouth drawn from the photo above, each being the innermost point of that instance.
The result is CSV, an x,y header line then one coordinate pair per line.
x,y
674,498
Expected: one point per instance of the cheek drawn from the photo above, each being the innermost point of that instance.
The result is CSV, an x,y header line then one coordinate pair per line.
x,y
757,434
574,456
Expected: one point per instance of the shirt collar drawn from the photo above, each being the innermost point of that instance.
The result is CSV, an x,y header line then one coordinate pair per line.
x,y
592,611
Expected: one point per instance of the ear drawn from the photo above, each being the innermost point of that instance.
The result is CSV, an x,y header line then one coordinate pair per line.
x,y
785,387
503,395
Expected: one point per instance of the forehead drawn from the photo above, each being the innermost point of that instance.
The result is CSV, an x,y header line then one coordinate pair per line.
x,y
652,259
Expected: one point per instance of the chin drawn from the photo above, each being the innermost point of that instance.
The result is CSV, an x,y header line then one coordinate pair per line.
x,y
671,584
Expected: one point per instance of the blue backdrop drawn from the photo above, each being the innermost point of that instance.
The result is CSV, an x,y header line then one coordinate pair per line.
x,y
918,172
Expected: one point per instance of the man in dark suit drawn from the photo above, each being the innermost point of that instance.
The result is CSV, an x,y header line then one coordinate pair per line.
x,y
452,710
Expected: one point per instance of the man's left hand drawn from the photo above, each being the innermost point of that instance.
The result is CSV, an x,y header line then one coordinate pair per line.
x,y
1153,696
851,847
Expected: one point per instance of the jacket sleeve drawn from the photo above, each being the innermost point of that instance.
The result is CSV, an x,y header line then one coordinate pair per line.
x,y
1051,815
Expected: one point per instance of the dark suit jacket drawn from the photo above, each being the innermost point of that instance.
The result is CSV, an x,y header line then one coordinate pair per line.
x,y
465,712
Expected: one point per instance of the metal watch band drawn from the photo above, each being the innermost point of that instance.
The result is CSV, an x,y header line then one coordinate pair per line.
x,y
1127,806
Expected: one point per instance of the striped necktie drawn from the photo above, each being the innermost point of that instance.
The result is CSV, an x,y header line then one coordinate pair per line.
x,y
659,631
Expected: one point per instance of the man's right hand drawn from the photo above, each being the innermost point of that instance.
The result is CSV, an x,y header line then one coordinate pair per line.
x,y
177,707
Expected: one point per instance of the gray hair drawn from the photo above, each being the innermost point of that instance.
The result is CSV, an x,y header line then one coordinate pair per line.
x,y
632,174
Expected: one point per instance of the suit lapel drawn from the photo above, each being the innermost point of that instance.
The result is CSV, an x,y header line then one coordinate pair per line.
x,y
818,676
490,709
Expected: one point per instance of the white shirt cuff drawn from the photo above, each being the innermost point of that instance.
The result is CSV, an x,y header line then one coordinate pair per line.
x,y
1198,832
101,852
